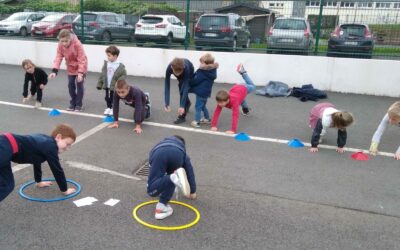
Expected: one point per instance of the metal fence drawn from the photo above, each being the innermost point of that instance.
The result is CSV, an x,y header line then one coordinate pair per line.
x,y
326,28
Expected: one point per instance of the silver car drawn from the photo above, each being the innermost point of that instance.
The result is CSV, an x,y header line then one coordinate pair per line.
x,y
290,34
20,23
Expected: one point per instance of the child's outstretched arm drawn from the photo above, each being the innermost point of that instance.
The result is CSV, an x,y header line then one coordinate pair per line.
x,y
58,172
341,140
191,178
25,88
57,62
115,111
376,138
167,85
215,118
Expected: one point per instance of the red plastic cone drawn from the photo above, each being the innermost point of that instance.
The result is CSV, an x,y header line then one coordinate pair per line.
x,y
360,156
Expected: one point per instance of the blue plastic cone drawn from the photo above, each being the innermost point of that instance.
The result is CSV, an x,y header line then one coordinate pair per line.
x,y
108,119
295,143
242,137
54,112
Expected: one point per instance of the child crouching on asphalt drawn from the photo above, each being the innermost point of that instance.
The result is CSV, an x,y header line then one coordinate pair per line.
x,y
325,115
38,79
134,97
201,85
170,167
391,117
35,149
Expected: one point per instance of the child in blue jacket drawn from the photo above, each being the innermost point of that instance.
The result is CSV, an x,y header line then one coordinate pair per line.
x,y
35,149
170,167
201,85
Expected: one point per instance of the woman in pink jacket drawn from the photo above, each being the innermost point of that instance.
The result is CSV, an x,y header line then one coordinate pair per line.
x,y
70,48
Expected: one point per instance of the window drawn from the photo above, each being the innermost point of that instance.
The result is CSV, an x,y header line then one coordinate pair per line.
x,y
312,3
68,19
396,5
275,5
382,5
347,4
331,4
111,19
364,5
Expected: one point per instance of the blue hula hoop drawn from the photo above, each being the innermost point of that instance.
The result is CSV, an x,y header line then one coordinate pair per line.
x,y
23,195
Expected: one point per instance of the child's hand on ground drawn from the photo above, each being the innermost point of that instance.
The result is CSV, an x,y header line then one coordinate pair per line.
x,y
313,150
113,125
41,86
181,111
44,184
214,129
229,132
52,75
69,191
192,196
373,149
340,150
167,109
138,130
397,156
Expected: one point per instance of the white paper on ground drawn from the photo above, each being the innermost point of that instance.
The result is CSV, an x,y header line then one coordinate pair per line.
x,y
85,201
111,202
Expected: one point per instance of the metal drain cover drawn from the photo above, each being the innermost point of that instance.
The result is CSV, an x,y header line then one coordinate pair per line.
x,y
143,169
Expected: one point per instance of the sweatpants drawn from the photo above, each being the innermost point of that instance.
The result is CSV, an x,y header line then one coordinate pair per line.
x,y
162,187
6,176
34,89
109,97
76,91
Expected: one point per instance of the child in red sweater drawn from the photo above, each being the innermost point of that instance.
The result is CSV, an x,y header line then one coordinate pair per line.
x,y
233,99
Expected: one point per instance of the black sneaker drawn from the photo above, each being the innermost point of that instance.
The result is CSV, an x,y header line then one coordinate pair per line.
x,y
179,120
246,111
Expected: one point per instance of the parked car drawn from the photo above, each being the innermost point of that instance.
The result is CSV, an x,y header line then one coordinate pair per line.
x,y
103,26
51,25
290,34
164,29
351,39
221,30
20,23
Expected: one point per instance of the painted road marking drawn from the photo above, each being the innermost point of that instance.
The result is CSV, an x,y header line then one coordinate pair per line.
x,y
196,130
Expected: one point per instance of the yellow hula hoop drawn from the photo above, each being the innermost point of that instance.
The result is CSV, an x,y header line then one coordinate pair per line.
x,y
194,222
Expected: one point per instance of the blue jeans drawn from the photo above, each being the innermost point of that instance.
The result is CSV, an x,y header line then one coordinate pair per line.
x,y
249,84
76,91
162,187
201,103
6,176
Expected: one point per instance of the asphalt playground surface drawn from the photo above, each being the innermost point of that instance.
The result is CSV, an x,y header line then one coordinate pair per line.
x,y
259,194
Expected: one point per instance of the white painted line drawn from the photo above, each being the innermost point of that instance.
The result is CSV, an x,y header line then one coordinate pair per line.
x,y
196,130
111,202
80,138
88,167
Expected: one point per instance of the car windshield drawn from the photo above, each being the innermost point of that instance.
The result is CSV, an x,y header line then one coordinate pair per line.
x,y
353,30
52,18
18,17
213,21
151,20
87,18
289,24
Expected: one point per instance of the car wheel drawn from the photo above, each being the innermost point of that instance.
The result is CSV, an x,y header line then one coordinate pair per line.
x,y
23,31
106,37
168,42
131,37
247,45
234,45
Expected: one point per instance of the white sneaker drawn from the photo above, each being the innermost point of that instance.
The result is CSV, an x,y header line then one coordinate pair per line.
x,y
38,104
195,124
110,113
179,178
205,121
163,211
106,111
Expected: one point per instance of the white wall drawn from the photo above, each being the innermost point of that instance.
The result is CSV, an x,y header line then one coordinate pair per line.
x,y
360,76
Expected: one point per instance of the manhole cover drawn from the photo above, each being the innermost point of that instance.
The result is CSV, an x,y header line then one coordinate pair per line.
x,y
143,168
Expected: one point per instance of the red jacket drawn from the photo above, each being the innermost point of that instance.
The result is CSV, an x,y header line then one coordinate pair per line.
x,y
237,94
75,57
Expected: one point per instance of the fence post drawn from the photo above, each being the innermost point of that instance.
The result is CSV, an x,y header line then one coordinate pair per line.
x,y
82,22
187,23
321,8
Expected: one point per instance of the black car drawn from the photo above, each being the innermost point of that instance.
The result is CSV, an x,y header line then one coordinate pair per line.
x,y
351,40
221,30
103,26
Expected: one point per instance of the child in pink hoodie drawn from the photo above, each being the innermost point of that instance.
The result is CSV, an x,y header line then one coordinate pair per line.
x,y
70,48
